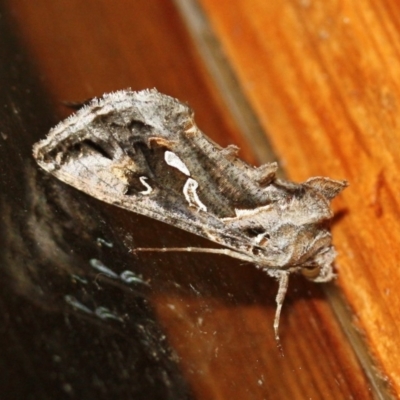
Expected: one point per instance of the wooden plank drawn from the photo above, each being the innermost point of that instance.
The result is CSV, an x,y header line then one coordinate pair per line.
x,y
323,78
217,313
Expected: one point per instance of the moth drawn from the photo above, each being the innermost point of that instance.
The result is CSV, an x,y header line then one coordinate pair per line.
x,y
143,151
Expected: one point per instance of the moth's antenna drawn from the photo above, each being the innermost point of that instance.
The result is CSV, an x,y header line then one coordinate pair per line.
x,y
226,252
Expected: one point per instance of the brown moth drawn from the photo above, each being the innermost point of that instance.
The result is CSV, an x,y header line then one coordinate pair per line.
x,y
142,151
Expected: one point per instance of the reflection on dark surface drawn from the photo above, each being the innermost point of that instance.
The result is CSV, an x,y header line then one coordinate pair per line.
x,y
75,321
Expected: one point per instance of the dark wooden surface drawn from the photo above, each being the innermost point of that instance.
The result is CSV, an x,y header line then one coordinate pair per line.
x,y
198,326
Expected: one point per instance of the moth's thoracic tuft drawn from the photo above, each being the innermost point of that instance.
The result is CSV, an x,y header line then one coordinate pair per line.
x,y
144,152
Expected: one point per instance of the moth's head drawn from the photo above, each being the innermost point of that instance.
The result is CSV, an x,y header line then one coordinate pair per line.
x,y
308,217
293,231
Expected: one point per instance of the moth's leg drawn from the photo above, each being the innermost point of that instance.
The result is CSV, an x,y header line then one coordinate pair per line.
x,y
280,298
283,280
226,252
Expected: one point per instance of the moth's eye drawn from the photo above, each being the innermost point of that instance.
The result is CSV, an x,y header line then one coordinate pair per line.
x,y
311,272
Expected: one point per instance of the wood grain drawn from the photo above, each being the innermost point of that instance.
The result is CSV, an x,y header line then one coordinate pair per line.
x,y
324,78
217,313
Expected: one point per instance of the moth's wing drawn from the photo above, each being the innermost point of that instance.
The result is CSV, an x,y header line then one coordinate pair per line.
x,y
142,151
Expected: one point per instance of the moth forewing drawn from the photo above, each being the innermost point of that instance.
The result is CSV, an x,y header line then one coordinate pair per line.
x,y
142,151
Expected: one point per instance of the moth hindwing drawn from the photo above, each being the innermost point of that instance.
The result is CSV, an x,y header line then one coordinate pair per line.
x,y
143,151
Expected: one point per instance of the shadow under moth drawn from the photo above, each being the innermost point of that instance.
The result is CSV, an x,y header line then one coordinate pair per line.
x,y
142,151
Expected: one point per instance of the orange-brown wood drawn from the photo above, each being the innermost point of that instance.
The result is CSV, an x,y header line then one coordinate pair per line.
x,y
324,78
216,312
